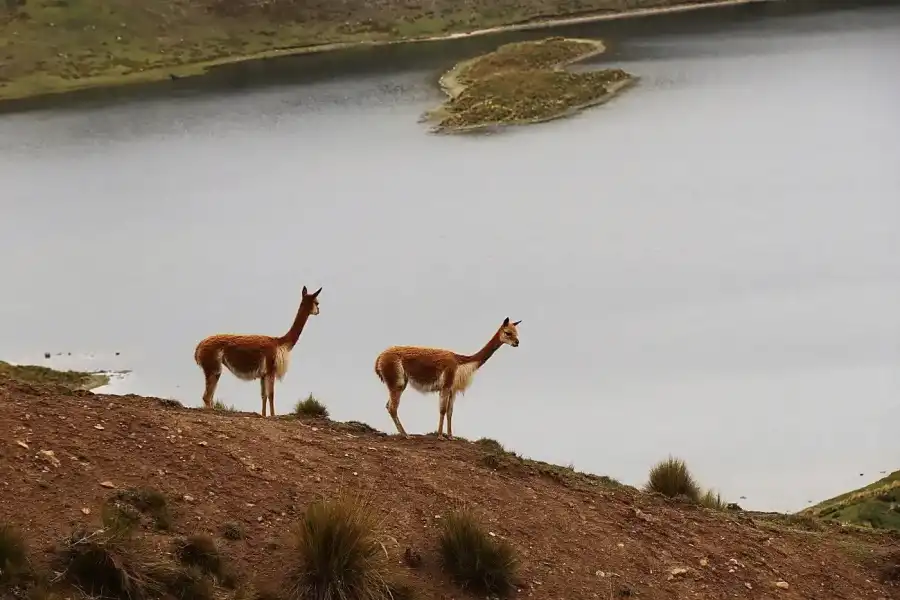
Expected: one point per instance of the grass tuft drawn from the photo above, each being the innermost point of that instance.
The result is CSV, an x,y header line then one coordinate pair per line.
x,y
13,555
712,499
476,560
200,551
219,405
150,501
490,444
337,553
233,531
190,583
109,564
672,478
311,407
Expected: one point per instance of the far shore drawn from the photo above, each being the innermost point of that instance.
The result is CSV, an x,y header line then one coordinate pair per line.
x,y
202,67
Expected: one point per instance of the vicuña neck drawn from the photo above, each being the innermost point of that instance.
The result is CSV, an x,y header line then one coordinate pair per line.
x,y
293,334
485,353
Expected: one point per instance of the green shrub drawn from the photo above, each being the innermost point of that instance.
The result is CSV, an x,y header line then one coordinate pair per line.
x,y
490,444
310,407
672,478
476,560
337,554
13,555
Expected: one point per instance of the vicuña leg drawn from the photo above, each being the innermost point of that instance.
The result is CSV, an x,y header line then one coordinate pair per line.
x,y
445,404
450,404
270,385
212,380
263,393
392,406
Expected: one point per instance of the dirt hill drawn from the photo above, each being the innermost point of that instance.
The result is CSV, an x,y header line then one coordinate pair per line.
x,y
577,536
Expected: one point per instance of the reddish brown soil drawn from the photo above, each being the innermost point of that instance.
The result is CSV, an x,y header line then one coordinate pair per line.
x,y
577,539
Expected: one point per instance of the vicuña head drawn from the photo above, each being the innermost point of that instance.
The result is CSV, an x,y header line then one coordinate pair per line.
x,y
436,370
312,299
252,357
508,333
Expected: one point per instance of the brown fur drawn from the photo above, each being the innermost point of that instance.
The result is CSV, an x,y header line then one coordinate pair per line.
x,y
251,357
436,370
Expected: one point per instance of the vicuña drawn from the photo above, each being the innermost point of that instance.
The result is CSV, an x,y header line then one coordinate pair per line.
x,y
436,370
251,357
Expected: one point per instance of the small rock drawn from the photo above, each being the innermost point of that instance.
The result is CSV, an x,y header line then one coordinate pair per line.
x,y
201,443
747,585
49,456
782,584
23,444
703,562
187,498
107,484
259,519
99,426
676,572
86,510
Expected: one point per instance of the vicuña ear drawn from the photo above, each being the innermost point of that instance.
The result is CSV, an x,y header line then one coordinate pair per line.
x,y
305,294
316,293
517,322
506,321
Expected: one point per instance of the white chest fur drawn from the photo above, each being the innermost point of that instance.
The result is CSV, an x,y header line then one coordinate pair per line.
x,y
464,375
282,361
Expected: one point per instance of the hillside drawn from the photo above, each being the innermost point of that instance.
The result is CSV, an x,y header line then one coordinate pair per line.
x,y
875,505
49,46
577,536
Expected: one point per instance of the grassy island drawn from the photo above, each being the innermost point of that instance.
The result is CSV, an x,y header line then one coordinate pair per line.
x,y
37,374
524,82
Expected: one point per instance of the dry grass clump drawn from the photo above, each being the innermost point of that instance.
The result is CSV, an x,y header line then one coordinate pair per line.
x,y
233,531
311,407
337,554
146,500
476,560
221,406
13,556
109,563
200,552
190,583
671,477
712,499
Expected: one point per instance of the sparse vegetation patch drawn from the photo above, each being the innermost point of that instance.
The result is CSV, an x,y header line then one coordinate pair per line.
x,y
200,551
475,559
145,500
337,553
524,82
311,407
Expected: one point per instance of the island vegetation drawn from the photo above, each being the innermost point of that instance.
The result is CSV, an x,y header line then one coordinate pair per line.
x,y
524,82
52,46
79,380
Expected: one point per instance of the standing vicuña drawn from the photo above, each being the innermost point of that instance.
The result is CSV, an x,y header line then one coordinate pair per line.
x,y
252,357
436,370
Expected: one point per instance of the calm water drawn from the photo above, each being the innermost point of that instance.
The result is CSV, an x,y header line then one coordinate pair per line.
x,y
708,266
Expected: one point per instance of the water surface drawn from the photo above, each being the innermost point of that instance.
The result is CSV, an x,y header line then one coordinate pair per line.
x,y
706,266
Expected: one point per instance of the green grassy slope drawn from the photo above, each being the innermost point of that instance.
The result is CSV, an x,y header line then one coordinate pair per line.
x,y
875,505
56,45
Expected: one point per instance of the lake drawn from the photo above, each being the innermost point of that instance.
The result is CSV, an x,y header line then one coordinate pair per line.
x,y
707,266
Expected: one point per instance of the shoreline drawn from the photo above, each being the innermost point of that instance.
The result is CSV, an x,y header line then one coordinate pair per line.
x,y
201,68
452,85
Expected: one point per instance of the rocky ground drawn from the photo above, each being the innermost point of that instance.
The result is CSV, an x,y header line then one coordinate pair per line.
x,y
64,452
